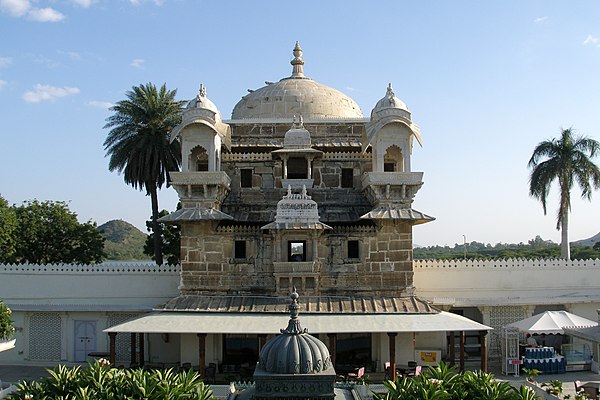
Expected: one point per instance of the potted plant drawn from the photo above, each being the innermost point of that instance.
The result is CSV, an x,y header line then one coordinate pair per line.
x,y
6,328
531,373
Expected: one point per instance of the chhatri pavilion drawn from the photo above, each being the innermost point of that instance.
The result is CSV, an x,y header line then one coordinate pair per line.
x,y
298,189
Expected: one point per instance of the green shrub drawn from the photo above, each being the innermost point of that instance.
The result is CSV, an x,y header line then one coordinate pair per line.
x,y
6,324
444,383
98,381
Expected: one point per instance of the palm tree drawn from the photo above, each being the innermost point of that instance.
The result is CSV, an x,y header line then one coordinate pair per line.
x,y
138,143
568,160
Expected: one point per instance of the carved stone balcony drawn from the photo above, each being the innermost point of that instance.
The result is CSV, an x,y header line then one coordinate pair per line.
x,y
295,267
297,183
200,188
391,187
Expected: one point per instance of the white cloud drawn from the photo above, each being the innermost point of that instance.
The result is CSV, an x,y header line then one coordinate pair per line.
x,y
45,15
138,2
83,3
48,93
541,19
592,40
5,61
16,8
23,8
137,63
2,84
100,104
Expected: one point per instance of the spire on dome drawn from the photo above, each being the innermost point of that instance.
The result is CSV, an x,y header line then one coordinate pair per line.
x,y
390,91
297,62
294,327
201,92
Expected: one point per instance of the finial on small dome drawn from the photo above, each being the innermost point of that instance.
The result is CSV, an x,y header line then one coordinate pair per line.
x,y
202,90
297,62
390,91
294,327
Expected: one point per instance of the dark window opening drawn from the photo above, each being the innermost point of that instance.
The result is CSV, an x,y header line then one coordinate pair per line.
x,y
352,350
240,249
297,250
240,351
310,283
297,168
246,178
353,249
202,165
389,167
347,177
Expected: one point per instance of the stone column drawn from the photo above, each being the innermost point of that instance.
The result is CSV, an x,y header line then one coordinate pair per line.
x,y
262,340
484,355
284,158
112,336
332,346
134,348
201,354
461,342
142,349
309,161
392,339
452,350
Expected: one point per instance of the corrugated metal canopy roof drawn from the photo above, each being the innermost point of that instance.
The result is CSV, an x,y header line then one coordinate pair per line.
x,y
255,323
308,304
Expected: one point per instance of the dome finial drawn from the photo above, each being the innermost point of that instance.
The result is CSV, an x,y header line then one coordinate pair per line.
x,y
294,327
390,91
297,62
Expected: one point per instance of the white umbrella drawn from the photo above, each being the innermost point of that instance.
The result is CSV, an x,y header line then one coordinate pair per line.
x,y
552,322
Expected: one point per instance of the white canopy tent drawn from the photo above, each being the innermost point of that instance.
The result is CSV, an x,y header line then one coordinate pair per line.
x,y
551,322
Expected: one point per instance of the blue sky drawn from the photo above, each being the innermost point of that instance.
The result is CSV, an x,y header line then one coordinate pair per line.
x,y
486,81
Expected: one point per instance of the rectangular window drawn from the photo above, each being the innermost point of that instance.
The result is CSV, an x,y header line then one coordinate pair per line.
x,y
246,179
240,249
389,167
297,250
347,177
353,249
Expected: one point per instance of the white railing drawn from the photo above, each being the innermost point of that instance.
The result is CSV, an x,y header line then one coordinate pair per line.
x,y
103,268
514,263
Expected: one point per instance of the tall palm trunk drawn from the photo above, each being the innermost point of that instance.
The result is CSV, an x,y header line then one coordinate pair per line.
x,y
155,225
565,249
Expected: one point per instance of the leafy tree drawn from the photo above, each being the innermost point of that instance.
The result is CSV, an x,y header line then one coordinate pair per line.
x,y
7,328
48,232
567,160
139,147
171,239
8,226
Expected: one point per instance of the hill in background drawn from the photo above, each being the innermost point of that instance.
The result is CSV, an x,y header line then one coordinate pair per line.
x,y
588,242
123,241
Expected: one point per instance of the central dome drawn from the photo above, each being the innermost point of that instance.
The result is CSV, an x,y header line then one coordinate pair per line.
x,y
296,95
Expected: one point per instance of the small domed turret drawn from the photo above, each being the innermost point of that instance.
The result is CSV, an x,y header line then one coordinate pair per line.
x,y
390,104
202,102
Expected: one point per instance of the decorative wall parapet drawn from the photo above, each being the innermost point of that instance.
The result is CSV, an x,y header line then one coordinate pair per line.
x,y
517,281
228,157
295,267
524,263
118,268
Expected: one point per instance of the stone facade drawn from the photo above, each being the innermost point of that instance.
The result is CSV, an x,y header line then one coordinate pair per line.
x,y
355,171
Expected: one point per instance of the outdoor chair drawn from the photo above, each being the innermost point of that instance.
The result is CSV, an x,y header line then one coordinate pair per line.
x,y
210,373
355,376
387,367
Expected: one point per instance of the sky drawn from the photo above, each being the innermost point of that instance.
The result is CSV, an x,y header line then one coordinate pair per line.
x,y
485,81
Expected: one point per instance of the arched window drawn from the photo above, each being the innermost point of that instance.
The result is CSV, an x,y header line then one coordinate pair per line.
x,y
198,159
392,160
